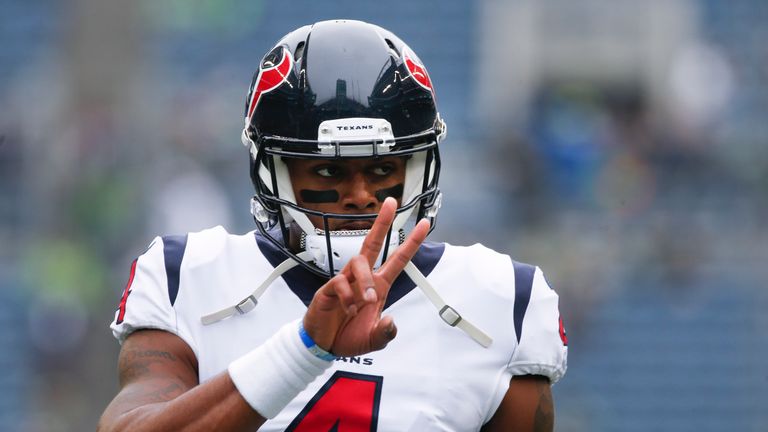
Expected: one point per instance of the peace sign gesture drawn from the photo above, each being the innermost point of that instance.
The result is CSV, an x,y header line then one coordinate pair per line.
x,y
344,316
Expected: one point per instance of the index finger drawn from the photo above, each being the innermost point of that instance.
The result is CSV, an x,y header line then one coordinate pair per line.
x,y
403,254
374,241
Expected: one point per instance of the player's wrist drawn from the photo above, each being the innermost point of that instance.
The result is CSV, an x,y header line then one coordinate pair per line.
x,y
273,374
312,346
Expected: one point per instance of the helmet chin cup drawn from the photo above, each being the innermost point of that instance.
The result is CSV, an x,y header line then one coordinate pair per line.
x,y
259,212
344,246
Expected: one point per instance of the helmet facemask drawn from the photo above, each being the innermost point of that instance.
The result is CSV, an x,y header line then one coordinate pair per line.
x,y
275,207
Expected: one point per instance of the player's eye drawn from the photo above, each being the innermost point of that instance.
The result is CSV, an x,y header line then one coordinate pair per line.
x,y
327,170
382,170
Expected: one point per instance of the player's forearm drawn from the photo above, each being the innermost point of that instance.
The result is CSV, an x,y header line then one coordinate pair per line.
x,y
214,405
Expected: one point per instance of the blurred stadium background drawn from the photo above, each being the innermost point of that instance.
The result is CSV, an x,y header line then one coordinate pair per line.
x,y
621,145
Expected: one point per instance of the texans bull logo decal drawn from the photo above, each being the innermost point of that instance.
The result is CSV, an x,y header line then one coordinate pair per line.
x,y
417,70
270,78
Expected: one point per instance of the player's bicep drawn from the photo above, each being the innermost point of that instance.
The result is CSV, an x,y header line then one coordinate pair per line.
x,y
154,366
526,406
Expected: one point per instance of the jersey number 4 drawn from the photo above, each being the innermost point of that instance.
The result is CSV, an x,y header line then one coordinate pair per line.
x,y
347,402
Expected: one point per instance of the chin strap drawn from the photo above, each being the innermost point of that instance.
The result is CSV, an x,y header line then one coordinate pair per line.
x,y
247,304
446,312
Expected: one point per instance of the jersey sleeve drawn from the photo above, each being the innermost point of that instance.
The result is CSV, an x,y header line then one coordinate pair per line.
x,y
542,347
145,302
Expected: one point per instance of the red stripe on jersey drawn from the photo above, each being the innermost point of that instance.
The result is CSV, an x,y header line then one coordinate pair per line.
x,y
563,336
126,293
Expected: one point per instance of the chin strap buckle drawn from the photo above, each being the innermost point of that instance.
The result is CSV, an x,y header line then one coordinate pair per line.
x,y
246,305
447,313
249,303
450,315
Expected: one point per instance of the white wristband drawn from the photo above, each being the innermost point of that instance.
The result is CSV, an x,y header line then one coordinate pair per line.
x,y
270,376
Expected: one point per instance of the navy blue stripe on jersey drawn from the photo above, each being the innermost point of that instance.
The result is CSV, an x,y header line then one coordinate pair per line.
x,y
425,260
304,283
173,252
523,285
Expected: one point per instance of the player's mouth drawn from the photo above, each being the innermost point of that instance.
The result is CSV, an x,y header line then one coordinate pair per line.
x,y
354,225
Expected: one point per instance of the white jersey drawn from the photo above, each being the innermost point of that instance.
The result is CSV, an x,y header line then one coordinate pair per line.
x,y
430,377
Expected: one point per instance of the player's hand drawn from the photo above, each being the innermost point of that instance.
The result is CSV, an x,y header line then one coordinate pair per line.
x,y
345,314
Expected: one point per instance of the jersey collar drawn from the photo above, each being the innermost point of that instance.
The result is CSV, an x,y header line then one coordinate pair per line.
x,y
304,283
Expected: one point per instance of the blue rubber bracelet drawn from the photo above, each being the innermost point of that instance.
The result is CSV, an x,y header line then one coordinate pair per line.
x,y
312,346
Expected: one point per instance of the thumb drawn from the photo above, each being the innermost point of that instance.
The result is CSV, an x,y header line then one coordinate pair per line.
x,y
383,333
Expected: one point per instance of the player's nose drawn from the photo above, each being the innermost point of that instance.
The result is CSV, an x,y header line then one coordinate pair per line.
x,y
358,194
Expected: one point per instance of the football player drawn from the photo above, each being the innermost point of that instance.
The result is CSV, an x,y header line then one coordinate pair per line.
x,y
284,328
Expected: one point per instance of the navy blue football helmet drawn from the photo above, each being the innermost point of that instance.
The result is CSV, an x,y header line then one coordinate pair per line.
x,y
336,90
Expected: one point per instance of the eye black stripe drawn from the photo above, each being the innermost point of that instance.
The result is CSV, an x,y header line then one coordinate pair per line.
x,y
319,196
395,191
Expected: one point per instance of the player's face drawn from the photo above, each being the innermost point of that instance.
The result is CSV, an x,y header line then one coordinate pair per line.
x,y
356,186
